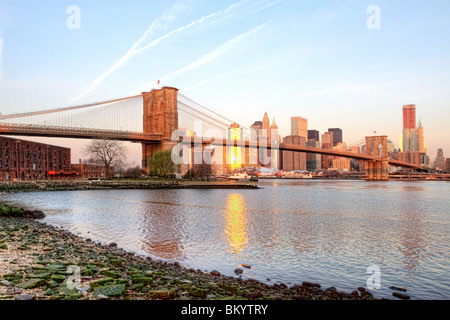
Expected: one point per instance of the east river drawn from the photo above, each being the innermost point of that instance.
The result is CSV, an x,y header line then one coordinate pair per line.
x,y
329,232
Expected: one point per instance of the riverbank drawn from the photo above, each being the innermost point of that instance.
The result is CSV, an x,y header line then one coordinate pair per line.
x,y
41,262
72,185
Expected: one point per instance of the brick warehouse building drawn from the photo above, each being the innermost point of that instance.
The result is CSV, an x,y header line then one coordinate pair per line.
x,y
28,160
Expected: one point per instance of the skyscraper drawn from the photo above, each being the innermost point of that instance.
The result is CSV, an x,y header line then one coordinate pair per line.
x,y
341,163
275,138
327,143
421,139
440,161
409,116
299,127
291,160
266,126
313,135
313,161
337,135
236,155
267,134
413,148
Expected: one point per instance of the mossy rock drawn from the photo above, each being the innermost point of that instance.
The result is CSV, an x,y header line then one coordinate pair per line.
x,y
17,212
115,262
42,275
136,286
3,246
33,283
114,290
64,290
5,210
162,294
143,280
50,292
74,296
137,275
230,288
100,282
53,284
9,276
58,278
56,267
111,274
122,281
88,272
198,292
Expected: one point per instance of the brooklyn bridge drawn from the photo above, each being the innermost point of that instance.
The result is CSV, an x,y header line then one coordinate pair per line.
x,y
154,118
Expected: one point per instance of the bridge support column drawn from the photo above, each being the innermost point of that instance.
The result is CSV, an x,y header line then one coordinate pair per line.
x,y
377,170
369,170
160,117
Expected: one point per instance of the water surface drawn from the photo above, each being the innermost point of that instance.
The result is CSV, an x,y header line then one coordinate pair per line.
x,y
290,231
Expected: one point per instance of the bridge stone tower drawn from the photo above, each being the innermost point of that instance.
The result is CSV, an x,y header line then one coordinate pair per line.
x,y
160,117
377,170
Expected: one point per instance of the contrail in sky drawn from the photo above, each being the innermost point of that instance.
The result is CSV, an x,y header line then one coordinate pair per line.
x,y
135,50
211,56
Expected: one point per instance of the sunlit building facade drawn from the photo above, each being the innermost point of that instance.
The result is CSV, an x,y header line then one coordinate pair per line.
x,y
28,160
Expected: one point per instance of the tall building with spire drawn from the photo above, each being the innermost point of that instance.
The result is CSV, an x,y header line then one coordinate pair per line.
x,y
413,147
275,138
421,139
266,125
265,132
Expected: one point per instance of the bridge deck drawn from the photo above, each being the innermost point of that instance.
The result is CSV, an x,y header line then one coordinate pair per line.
x,y
83,133
76,133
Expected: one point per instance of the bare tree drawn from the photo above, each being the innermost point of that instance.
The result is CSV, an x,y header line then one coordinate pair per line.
x,y
108,152
203,171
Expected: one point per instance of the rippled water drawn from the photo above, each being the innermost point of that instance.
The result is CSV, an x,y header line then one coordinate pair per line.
x,y
290,231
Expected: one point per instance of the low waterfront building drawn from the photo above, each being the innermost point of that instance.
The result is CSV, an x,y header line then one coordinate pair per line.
x,y
28,160
88,170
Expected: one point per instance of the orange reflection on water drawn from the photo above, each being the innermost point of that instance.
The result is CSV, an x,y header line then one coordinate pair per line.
x,y
236,223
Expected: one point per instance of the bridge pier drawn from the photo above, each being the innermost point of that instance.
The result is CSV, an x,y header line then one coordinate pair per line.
x,y
377,170
160,117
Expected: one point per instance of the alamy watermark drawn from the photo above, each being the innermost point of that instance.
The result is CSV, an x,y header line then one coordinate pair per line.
x,y
374,280
74,281
374,21
211,147
74,20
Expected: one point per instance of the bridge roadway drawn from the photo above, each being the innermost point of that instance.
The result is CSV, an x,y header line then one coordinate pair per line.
x,y
138,137
77,133
305,149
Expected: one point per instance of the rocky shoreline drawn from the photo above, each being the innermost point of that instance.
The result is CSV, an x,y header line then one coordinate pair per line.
x,y
41,262
72,185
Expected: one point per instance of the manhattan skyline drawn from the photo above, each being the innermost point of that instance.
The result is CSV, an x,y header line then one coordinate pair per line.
x,y
320,61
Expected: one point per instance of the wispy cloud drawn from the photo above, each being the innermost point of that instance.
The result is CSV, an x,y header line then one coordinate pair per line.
x,y
209,57
261,66
140,46
349,88
267,6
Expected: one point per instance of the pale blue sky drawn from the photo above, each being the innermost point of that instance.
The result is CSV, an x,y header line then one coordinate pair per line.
x,y
316,59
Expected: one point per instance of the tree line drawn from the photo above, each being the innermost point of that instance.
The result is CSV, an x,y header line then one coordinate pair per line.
x,y
111,153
